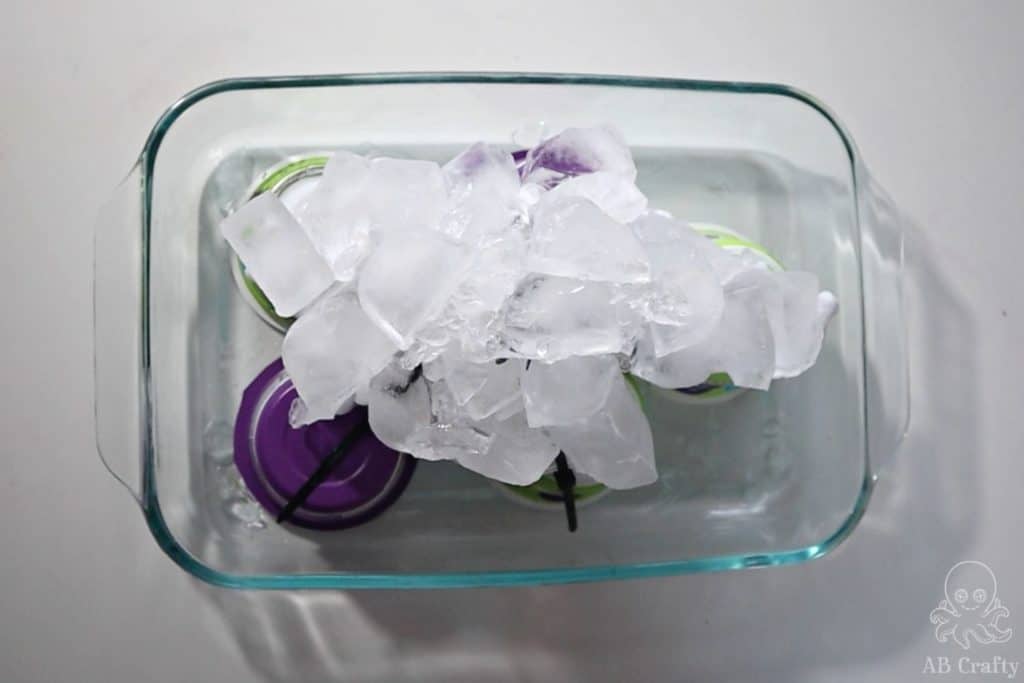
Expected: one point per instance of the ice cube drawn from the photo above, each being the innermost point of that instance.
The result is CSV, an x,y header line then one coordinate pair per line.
x,y
247,511
406,194
476,305
499,391
434,369
338,215
431,340
503,449
444,408
576,151
613,193
685,300
460,442
484,193
513,407
465,379
407,281
568,390
614,445
419,353
746,350
496,269
518,455
399,405
529,134
732,262
798,316
450,434
741,345
277,253
529,195
357,196
331,351
298,412
551,318
437,332
573,238
828,304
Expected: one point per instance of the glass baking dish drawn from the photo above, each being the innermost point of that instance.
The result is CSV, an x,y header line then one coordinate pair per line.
x,y
768,478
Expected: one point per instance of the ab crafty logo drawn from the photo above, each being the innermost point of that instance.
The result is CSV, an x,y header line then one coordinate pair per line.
x,y
971,614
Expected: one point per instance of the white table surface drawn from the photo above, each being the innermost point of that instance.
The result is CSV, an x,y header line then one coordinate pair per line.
x,y
932,91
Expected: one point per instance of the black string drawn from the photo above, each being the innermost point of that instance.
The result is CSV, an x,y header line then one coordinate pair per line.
x,y
323,470
566,480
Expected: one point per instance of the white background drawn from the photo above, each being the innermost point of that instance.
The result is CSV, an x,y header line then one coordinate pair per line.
x,y
932,91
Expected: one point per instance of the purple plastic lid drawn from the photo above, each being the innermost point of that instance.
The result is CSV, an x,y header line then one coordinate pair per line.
x,y
275,460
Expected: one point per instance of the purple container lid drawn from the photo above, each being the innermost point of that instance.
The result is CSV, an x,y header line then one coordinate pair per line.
x,y
275,460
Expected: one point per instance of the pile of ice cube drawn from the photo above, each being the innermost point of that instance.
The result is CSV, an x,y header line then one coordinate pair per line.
x,y
487,310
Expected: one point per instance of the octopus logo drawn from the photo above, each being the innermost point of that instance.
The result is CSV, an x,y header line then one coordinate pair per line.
x,y
971,608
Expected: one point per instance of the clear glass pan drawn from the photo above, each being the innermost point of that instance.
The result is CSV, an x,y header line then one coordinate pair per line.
x,y
770,478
